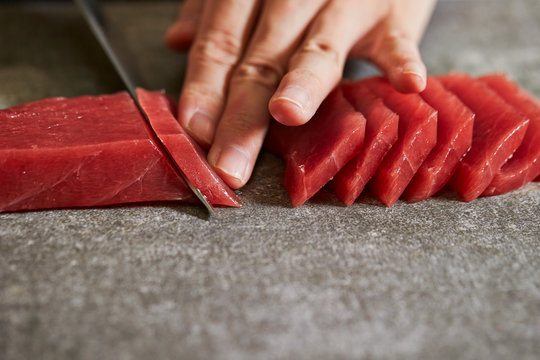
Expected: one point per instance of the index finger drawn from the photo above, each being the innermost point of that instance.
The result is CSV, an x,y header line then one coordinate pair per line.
x,y
219,44
317,65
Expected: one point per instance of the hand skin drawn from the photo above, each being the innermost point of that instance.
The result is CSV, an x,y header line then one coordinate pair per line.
x,y
251,60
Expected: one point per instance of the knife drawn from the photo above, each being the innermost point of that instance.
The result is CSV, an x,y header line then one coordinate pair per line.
x,y
93,16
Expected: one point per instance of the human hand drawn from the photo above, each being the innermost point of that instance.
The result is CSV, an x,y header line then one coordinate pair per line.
x,y
250,59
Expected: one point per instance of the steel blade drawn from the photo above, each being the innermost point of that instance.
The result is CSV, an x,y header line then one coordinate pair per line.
x,y
92,14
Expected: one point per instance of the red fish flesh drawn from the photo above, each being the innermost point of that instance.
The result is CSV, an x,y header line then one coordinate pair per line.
x,y
316,151
82,152
498,131
381,134
454,138
187,154
524,165
417,135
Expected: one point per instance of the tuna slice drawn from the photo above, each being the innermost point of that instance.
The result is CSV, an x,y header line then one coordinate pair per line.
x,y
84,151
498,131
454,137
316,151
524,165
187,154
381,134
417,135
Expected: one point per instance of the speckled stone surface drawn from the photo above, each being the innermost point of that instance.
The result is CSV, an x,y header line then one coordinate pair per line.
x,y
440,279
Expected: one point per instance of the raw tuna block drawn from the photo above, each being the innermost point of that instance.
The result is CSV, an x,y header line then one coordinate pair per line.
x,y
381,134
316,151
498,131
454,138
524,165
84,151
187,154
417,135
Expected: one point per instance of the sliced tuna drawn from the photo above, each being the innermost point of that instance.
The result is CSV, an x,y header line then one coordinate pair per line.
x,y
498,131
187,154
417,135
454,138
381,134
316,151
524,165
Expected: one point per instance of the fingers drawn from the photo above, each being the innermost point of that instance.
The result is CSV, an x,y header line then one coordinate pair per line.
x,y
227,103
399,58
411,17
242,128
180,35
316,67
393,44
218,46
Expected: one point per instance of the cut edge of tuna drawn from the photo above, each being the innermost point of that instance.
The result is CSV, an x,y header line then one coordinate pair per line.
x,y
381,133
524,166
316,151
454,138
498,131
187,154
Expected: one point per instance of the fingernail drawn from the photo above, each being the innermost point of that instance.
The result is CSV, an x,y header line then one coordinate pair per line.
x,y
413,68
201,125
233,161
294,94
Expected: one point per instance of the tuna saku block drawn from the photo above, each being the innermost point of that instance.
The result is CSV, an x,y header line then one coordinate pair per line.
x,y
82,152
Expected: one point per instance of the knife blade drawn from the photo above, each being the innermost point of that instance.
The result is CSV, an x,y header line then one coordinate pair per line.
x,y
91,12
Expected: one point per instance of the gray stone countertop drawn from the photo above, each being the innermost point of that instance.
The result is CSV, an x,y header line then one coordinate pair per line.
x,y
439,279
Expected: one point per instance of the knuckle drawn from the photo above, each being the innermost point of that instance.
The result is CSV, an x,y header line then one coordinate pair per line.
x,y
395,36
393,40
317,79
306,75
265,73
195,92
299,5
323,48
394,45
218,46
291,5
381,45
242,124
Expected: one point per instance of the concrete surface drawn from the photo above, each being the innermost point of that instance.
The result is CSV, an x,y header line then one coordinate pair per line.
x,y
440,279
